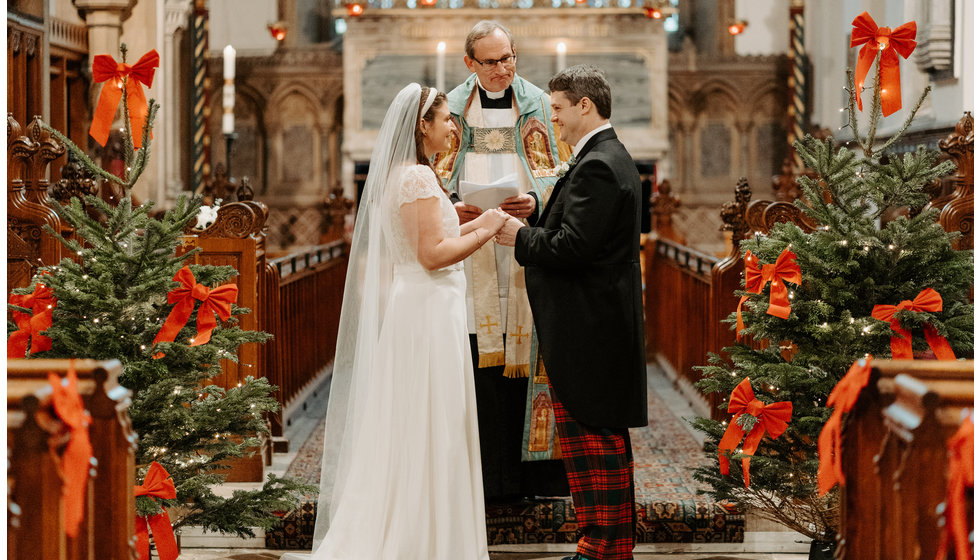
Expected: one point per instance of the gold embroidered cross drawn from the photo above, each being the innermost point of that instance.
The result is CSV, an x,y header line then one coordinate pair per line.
x,y
488,324
520,333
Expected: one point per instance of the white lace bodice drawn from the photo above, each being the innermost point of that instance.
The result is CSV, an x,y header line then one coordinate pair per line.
x,y
416,182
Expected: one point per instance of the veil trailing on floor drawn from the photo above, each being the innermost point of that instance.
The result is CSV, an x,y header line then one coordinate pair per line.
x,y
366,293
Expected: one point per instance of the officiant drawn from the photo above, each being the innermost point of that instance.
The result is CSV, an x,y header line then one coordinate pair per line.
x,y
503,128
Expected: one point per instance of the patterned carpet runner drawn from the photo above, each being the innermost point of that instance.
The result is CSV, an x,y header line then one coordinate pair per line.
x,y
669,508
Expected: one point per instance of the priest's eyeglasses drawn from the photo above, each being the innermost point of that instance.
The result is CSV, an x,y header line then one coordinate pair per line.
x,y
508,60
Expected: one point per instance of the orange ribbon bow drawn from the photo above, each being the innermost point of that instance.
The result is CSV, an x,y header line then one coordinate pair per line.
x,y
217,301
960,448
757,276
29,327
76,459
105,68
927,300
901,41
842,398
770,418
157,484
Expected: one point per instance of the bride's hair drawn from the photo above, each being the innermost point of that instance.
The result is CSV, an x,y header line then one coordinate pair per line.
x,y
429,115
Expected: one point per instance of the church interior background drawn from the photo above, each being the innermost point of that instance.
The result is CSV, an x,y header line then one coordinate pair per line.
x,y
705,92
697,106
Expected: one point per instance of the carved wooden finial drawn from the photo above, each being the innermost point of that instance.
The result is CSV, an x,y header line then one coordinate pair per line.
x,y
959,145
733,212
957,214
245,191
75,182
219,185
663,206
20,149
49,148
784,185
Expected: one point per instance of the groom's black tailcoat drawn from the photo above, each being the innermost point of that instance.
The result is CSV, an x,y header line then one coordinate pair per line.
x,y
581,263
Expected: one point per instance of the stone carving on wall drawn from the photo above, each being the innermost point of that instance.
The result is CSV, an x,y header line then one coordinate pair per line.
x,y
726,118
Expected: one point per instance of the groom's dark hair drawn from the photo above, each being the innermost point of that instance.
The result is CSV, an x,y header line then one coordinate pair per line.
x,y
584,80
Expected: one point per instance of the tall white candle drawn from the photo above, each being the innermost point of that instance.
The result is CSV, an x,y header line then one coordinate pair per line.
x,y
229,56
228,92
441,66
560,49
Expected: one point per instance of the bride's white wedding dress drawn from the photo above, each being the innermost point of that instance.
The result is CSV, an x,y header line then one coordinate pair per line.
x,y
414,489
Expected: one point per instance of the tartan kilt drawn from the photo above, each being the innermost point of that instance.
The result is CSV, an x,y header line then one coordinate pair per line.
x,y
599,467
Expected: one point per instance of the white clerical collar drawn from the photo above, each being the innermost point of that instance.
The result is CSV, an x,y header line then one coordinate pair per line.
x,y
581,143
491,94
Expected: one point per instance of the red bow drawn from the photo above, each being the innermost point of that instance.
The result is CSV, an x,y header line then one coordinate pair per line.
x,y
772,418
217,301
757,276
842,398
927,300
901,41
29,327
104,68
76,459
157,483
960,448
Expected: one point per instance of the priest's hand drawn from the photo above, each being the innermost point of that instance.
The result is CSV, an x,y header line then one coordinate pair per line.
x,y
508,233
519,206
467,212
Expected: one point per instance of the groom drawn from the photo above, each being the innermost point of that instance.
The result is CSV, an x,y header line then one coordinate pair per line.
x,y
581,263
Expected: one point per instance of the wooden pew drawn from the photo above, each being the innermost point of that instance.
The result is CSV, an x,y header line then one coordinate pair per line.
x,y
237,239
34,478
295,297
688,294
894,460
113,444
304,293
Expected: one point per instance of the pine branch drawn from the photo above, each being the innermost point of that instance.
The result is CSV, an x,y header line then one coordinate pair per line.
x,y
875,106
905,126
852,106
90,166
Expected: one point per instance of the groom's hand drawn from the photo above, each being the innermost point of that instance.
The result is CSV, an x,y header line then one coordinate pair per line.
x,y
519,206
508,233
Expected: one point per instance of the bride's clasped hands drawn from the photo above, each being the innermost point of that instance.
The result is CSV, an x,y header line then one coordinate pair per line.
x,y
492,220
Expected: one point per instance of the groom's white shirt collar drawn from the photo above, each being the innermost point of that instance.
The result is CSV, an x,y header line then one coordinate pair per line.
x,y
581,143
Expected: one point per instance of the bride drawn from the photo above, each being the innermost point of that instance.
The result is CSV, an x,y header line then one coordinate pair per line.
x,y
401,473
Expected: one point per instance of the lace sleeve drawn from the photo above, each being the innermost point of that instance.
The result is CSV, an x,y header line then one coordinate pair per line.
x,y
418,182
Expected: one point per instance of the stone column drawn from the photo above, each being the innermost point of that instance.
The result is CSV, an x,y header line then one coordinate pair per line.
x,y
104,21
103,18
175,22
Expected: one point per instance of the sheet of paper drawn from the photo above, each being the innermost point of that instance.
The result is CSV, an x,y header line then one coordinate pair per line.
x,y
489,195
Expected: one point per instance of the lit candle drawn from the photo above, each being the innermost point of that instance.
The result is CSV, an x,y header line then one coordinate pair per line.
x,y
228,92
441,66
560,48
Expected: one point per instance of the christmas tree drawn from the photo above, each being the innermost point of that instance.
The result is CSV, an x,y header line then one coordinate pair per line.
x,y
809,312
125,294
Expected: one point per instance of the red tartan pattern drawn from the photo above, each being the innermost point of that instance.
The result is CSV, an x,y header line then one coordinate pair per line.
x,y
599,466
